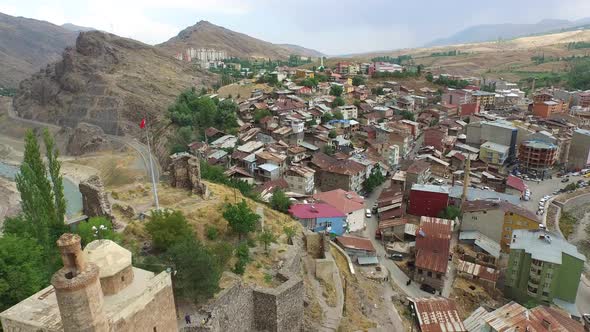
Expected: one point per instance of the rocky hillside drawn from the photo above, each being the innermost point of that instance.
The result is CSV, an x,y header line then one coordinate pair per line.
x,y
208,35
108,81
26,45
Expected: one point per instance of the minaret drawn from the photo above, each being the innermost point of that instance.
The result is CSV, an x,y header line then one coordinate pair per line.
x,y
465,181
78,291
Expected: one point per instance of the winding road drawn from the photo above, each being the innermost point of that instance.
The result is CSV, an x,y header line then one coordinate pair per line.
x,y
134,144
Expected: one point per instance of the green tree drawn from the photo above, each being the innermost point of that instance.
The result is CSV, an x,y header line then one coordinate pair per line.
x,y
408,115
22,269
184,136
197,270
42,200
260,114
328,149
266,238
327,117
310,82
450,212
96,228
290,233
429,77
336,90
337,114
579,75
374,180
279,201
332,133
167,228
241,218
243,256
358,80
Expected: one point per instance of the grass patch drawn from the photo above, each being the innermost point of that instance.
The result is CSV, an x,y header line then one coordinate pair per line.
x,y
328,292
567,222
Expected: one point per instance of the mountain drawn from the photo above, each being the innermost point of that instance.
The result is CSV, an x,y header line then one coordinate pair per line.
x,y
300,50
75,28
111,82
26,45
208,35
490,32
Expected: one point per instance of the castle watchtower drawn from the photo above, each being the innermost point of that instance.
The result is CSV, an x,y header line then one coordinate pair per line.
x,y
78,290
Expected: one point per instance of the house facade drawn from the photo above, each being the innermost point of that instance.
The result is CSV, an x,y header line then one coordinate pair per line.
x,y
319,217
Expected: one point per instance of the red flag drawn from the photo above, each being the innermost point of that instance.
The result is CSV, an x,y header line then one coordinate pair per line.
x,y
142,124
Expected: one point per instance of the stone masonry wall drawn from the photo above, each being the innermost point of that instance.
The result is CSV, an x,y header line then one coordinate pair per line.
x,y
95,202
243,308
185,172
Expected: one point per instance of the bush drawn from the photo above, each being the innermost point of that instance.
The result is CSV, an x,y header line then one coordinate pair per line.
x,y
279,201
96,228
167,228
212,233
243,255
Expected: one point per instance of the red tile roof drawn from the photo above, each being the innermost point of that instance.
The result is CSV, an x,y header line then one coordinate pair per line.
x,y
346,167
353,242
313,211
437,314
344,201
516,183
433,241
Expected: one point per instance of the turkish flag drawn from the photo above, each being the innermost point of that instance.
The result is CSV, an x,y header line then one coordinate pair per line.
x,y
142,124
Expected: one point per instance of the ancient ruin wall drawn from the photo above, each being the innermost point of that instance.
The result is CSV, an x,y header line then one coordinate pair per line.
x,y
95,202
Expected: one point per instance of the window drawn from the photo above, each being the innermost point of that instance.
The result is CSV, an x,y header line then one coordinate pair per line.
x,y
155,329
123,278
438,276
545,294
429,274
419,271
507,229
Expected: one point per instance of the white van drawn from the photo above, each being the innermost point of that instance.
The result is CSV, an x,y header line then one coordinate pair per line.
x,y
368,213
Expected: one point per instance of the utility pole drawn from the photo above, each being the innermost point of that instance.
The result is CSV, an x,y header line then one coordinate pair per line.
x,y
465,182
154,186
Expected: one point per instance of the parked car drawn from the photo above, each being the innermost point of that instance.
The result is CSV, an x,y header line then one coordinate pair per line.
x,y
368,213
377,234
564,180
396,257
428,288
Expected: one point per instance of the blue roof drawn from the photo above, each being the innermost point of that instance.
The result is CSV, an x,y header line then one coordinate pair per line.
x,y
269,167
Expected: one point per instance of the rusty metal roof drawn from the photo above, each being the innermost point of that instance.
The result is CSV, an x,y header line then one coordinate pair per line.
x,y
437,314
515,317
433,241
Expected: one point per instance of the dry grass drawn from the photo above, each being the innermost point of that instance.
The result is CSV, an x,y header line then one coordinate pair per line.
x,y
329,292
469,296
353,317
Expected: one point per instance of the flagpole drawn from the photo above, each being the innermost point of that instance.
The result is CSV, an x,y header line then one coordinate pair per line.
x,y
154,187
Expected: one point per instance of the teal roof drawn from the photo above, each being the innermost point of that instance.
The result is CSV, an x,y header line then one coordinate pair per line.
x,y
543,245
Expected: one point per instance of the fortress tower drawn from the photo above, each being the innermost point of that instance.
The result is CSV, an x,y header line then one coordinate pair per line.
x,y
77,288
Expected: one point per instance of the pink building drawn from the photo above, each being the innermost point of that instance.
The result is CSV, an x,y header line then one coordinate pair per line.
x,y
435,136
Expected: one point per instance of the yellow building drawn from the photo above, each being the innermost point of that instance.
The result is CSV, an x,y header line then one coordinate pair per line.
x,y
484,98
516,217
304,73
496,220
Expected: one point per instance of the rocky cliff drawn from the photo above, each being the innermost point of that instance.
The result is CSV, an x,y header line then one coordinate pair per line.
x,y
110,82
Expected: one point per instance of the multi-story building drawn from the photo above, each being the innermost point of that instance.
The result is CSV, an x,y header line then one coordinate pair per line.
x,y
345,174
300,179
497,220
499,131
384,67
96,290
584,99
579,152
543,267
319,217
484,98
435,136
537,156
348,111
456,97
433,242
547,108
428,200
494,153
418,173
347,202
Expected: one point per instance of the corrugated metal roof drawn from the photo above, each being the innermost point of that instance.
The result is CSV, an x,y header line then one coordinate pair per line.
x,y
437,314
474,322
354,242
433,240
368,260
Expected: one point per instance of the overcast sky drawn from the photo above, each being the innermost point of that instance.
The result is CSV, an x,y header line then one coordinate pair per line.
x,y
330,26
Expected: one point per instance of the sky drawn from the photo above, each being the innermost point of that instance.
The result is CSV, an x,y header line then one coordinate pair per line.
x,y
333,27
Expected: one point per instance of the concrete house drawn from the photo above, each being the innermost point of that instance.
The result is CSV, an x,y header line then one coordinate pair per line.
x,y
359,249
319,217
347,202
300,179
545,268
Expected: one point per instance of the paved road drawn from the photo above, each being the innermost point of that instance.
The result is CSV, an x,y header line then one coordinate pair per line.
x,y
135,145
396,274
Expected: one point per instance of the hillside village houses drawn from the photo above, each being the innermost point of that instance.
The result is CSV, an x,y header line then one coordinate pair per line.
x,y
398,159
